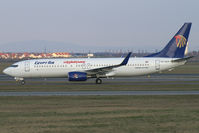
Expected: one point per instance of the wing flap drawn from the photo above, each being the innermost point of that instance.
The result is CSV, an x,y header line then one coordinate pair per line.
x,y
104,70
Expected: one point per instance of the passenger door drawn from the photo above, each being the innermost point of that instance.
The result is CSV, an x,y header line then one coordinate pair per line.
x,y
27,66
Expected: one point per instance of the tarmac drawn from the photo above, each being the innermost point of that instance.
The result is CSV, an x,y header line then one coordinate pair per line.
x,y
100,93
157,79
144,80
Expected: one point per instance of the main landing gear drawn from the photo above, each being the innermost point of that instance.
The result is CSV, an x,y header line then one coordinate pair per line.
x,y
98,81
22,82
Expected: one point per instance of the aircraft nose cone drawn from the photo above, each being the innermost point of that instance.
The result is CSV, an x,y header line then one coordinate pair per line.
x,y
7,71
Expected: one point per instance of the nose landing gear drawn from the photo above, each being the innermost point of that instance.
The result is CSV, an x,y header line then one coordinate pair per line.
x,y
98,81
20,80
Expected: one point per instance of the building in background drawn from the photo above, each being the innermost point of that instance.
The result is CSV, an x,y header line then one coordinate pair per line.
x,y
21,56
33,55
61,55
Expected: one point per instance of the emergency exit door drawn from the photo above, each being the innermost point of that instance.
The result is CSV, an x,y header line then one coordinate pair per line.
x,y
157,65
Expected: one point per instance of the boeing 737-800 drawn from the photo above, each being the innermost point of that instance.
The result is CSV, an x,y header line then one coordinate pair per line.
x,y
81,69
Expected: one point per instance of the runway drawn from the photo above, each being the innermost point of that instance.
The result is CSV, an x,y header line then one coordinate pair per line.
x,y
99,93
157,79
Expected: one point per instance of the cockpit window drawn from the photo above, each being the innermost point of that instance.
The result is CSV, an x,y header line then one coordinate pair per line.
x,y
14,66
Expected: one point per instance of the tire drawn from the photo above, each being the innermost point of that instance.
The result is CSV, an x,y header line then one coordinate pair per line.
x,y
22,82
98,81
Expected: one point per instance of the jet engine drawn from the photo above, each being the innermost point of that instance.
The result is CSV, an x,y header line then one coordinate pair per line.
x,y
77,76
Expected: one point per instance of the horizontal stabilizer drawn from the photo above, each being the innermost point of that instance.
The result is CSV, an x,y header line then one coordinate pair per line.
x,y
182,59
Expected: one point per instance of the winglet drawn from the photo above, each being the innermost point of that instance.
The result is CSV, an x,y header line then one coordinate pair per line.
x,y
125,61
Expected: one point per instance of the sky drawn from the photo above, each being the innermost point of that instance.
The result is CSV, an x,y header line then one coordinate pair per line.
x,y
95,24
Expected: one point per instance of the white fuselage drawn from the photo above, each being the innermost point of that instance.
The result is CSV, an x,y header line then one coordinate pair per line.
x,y
61,67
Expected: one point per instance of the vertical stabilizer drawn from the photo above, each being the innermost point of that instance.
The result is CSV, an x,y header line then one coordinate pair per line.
x,y
177,45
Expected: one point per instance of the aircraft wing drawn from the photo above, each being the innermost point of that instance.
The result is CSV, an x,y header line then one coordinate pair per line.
x,y
104,70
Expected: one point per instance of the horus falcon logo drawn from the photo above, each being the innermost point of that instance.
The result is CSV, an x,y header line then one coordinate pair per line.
x,y
180,41
75,76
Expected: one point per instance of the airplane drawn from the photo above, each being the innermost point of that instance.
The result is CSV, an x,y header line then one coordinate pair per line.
x,y
82,69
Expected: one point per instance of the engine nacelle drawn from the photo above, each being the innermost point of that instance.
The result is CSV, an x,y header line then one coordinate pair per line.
x,y
77,76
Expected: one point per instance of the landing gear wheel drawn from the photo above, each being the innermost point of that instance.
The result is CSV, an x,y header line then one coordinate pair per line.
x,y
98,81
22,82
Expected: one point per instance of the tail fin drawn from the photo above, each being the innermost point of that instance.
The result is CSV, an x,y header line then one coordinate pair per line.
x,y
177,45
